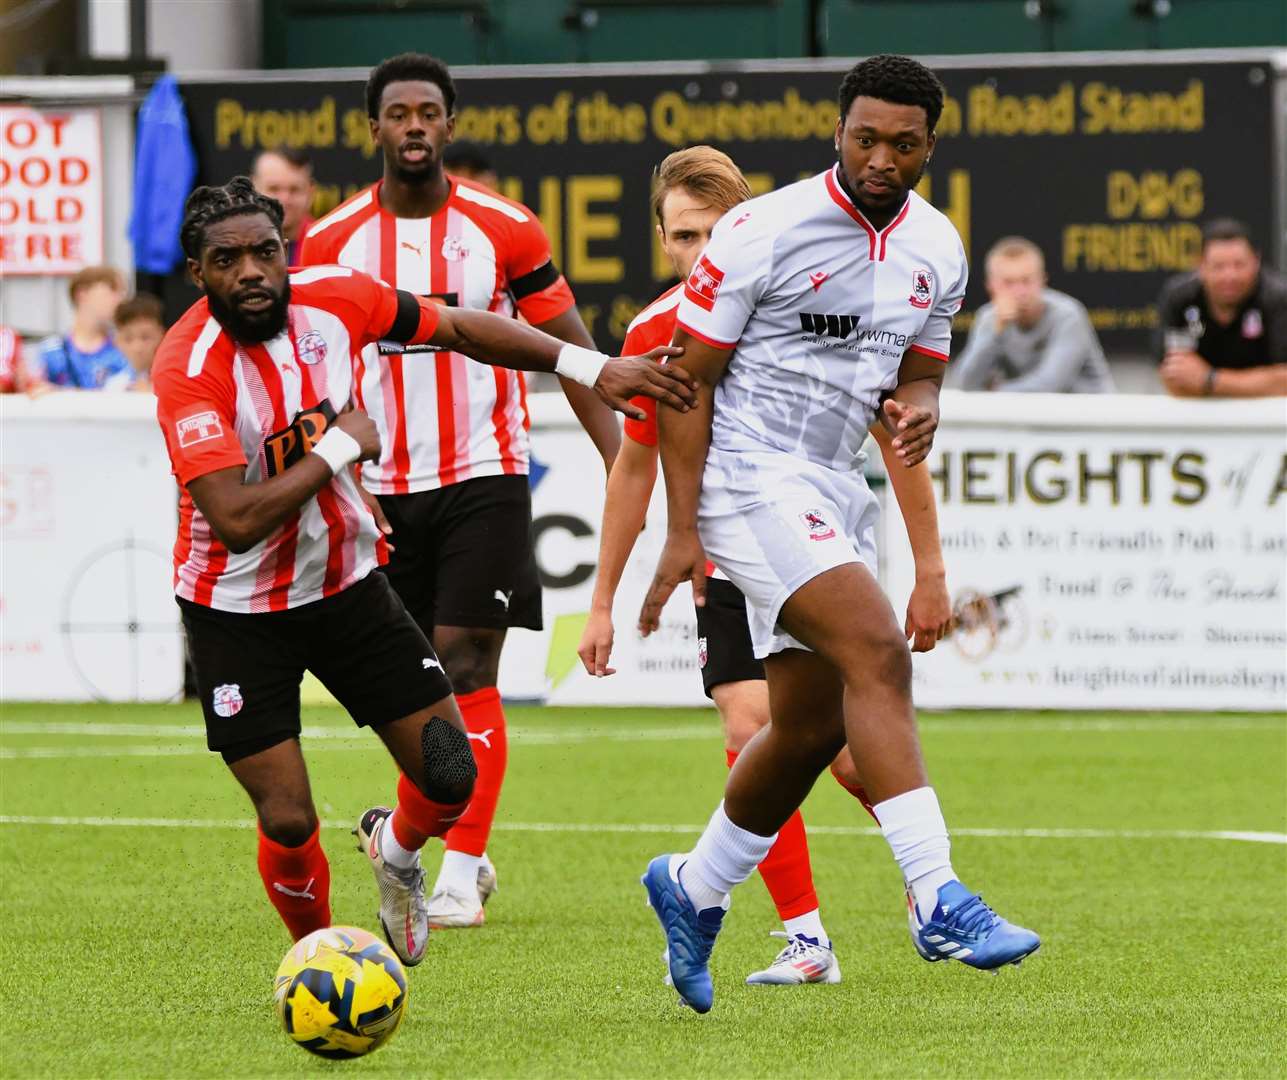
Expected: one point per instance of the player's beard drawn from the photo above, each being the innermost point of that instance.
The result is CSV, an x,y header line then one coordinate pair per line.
x,y
852,190
252,329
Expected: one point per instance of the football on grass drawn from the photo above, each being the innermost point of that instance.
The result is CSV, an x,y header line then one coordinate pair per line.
x,y
341,992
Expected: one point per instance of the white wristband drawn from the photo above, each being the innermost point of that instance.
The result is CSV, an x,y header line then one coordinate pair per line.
x,y
580,365
338,449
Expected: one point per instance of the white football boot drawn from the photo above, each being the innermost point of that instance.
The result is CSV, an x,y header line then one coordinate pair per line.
x,y
802,961
487,884
403,913
449,910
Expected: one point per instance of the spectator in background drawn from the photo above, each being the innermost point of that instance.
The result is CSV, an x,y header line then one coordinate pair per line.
x,y
286,174
467,160
1223,328
12,376
87,358
1029,338
140,326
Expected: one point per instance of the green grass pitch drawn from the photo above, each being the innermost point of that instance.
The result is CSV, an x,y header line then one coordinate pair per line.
x,y
133,949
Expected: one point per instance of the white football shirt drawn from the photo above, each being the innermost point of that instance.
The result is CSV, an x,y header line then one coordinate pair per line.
x,y
819,308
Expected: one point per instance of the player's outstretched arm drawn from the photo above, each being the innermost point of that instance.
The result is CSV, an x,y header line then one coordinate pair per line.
x,y
910,412
594,416
929,609
503,342
243,514
625,508
683,440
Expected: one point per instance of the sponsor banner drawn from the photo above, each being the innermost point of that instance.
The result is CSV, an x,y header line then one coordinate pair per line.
x,y
51,190
87,522
1110,169
1135,557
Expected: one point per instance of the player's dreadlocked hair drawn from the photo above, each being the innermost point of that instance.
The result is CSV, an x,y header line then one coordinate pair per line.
x,y
898,79
409,67
207,205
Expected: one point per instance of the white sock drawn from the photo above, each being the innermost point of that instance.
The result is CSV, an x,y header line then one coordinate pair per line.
x,y
725,855
458,873
913,825
392,852
808,925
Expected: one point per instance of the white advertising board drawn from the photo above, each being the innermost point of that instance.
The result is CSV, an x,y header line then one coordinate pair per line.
x,y
51,190
87,518
1115,552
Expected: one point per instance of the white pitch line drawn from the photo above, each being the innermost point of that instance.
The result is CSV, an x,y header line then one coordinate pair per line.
x,y
1246,836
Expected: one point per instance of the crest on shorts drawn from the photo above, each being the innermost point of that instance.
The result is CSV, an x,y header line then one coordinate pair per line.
x,y
922,289
311,348
817,525
227,699
453,250
702,654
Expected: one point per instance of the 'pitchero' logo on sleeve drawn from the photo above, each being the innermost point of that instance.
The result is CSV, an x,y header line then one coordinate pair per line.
x,y
284,448
835,326
703,283
197,428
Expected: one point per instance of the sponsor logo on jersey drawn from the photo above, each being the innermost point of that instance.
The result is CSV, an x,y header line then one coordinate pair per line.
x,y
197,428
1252,324
817,525
703,283
227,699
311,348
453,250
922,289
834,326
284,448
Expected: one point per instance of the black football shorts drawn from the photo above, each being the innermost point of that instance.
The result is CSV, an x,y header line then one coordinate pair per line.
x,y
360,643
464,555
724,650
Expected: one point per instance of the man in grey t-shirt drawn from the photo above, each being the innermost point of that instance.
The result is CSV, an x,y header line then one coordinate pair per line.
x,y
1029,338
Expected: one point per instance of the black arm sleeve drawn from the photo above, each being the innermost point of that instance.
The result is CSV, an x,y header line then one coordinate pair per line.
x,y
540,278
407,320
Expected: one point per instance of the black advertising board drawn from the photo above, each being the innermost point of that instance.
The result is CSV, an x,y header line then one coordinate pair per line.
x,y
1109,169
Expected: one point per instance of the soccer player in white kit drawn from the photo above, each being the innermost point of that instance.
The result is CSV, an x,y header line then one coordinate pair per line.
x,y
811,308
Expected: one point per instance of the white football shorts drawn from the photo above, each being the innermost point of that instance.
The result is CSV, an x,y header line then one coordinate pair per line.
x,y
773,522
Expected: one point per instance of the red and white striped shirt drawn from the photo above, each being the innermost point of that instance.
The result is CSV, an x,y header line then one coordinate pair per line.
x,y
222,404
448,421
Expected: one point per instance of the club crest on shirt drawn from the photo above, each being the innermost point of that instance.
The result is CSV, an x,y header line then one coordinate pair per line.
x,y
703,283
922,289
311,348
227,699
702,654
453,250
1252,324
817,525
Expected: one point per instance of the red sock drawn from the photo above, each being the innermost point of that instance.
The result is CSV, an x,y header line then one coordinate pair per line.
x,y
485,721
416,818
857,792
298,880
786,870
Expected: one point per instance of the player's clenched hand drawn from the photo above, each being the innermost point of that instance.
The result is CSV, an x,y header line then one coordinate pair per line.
x,y
912,427
929,612
357,425
595,649
630,376
682,559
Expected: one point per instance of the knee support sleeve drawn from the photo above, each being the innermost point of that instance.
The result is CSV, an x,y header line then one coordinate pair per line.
x,y
450,770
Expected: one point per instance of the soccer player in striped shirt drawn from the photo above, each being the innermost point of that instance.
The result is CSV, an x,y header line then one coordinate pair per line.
x,y
692,190
811,309
452,478
275,551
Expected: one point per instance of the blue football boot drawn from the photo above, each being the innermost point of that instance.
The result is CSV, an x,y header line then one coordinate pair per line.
x,y
962,927
690,934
